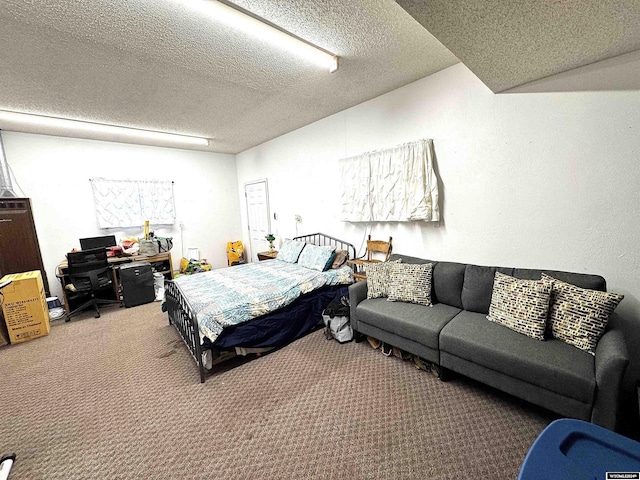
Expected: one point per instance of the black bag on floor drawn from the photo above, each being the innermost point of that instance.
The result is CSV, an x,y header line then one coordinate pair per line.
x,y
336,321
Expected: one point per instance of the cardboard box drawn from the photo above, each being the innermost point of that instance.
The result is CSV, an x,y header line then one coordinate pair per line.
x,y
25,307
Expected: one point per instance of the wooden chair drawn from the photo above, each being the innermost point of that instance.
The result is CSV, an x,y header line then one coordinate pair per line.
x,y
379,247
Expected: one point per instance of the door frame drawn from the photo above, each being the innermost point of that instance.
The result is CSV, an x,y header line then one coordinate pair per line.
x,y
254,251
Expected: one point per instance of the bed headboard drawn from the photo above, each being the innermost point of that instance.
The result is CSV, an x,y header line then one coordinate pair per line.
x,y
322,239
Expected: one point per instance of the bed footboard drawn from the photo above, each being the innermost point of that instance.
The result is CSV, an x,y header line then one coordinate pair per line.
x,y
181,317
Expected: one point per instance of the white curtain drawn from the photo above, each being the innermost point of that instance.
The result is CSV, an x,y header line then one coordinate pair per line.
x,y
128,203
392,185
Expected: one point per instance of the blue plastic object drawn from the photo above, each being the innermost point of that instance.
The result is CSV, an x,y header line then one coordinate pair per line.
x,y
570,449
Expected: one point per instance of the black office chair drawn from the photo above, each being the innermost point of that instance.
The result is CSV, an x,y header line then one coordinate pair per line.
x,y
91,278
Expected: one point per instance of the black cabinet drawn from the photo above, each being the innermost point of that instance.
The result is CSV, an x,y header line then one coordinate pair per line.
x,y
136,281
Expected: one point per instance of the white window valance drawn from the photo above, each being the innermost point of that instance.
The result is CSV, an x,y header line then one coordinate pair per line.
x,y
128,203
392,185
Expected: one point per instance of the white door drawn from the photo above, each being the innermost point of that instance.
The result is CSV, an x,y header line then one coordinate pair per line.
x,y
257,196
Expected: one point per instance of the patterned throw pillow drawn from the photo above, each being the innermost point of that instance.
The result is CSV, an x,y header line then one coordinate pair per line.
x,y
411,283
521,305
316,257
378,277
290,251
579,316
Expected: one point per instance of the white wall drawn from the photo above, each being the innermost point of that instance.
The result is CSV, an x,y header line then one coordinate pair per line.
x,y
534,180
54,172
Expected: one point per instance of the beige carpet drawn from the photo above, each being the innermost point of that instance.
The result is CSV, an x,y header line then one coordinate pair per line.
x,y
119,397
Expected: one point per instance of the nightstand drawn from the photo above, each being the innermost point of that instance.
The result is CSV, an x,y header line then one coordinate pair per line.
x,y
270,255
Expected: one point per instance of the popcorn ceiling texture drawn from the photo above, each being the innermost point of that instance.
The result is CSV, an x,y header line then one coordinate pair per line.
x,y
165,65
510,43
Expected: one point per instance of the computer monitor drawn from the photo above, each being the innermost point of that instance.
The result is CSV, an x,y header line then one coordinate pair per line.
x,y
98,242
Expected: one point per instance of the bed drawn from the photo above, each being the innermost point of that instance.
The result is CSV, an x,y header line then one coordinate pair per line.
x,y
257,306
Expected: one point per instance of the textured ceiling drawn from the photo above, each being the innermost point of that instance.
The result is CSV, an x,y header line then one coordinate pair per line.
x,y
163,65
513,42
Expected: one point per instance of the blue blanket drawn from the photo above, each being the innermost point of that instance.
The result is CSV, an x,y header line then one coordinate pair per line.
x,y
229,296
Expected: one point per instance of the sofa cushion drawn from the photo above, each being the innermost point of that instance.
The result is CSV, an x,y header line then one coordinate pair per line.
x,y
408,259
579,316
410,283
551,364
521,305
478,287
378,277
447,279
582,280
409,320
478,283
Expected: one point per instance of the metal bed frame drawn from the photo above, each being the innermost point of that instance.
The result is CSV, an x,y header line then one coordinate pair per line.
x,y
182,317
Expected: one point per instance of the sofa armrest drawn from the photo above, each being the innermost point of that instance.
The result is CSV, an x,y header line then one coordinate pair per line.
x,y
357,293
611,362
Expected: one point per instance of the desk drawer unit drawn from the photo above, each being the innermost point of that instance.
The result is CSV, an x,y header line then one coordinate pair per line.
x,y
136,280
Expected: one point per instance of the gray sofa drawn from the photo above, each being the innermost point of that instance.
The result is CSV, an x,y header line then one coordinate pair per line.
x,y
455,334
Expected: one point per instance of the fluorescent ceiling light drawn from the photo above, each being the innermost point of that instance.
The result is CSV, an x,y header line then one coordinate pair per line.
x,y
265,31
90,127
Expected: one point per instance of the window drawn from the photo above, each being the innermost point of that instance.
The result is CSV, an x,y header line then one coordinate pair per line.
x,y
128,203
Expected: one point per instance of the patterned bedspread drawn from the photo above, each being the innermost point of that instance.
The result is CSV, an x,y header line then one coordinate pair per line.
x,y
229,296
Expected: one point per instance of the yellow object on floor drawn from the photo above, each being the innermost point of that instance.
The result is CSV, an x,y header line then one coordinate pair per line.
x,y
194,266
235,253
184,263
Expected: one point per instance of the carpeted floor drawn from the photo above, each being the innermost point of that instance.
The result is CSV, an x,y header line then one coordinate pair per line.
x,y
119,397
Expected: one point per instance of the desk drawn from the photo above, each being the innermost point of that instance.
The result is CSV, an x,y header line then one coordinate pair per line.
x,y
161,263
